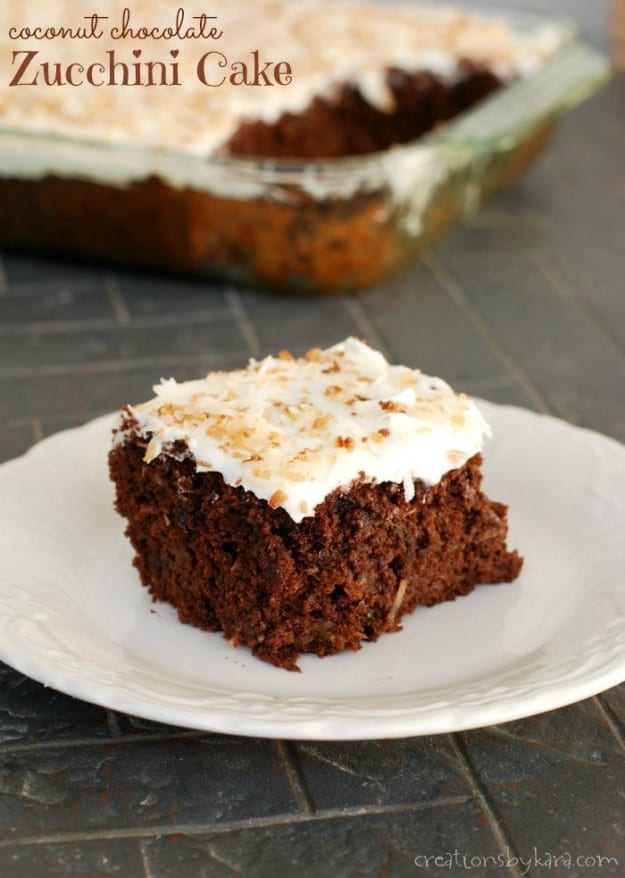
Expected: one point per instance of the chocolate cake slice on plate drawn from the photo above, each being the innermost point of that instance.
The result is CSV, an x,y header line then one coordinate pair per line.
x,y
304,505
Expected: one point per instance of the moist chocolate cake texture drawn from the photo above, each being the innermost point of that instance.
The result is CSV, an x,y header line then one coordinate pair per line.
x,y
304,506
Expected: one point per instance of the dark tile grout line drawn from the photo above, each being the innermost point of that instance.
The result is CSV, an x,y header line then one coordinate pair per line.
x,y
481,795
118,302
81,417
80,284
248,823
612,720
370,333
463,251
453,289
497,216
364,324
547,747
102,741
239,313
112,720
147,871
222,861
156,321
291,766
108,366
585,307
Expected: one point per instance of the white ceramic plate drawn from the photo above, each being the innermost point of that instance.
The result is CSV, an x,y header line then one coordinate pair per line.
x,y
74,616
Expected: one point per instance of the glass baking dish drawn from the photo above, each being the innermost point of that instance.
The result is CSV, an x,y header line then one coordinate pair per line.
x,y
331,226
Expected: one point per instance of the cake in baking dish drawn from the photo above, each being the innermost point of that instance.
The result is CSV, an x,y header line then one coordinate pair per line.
x,y
299,78
304,505
176,177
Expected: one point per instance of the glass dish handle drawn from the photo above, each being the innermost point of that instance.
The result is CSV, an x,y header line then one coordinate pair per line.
x,y
576,73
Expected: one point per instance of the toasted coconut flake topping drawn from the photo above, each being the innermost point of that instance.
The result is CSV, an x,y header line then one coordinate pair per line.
x,y
293,430
277,499
399,597
152,451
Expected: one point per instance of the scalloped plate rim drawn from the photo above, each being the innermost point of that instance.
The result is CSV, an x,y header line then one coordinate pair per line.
x,y
385,725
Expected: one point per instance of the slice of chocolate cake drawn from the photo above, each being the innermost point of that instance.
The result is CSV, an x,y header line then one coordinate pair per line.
x,y
304,505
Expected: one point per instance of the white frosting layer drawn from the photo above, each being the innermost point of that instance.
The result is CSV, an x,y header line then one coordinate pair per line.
x,y
325,41
294,430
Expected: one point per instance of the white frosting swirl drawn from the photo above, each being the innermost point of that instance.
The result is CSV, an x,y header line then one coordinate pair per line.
x,y
294,430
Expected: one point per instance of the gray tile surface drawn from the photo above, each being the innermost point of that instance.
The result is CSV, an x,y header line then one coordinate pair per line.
x,y
417,319
524,305
15,439
79,394
347,846
413,770
297,324
551,777
160,783
30,713
20,270
149,297
528,311
62,304
108,858
64,352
